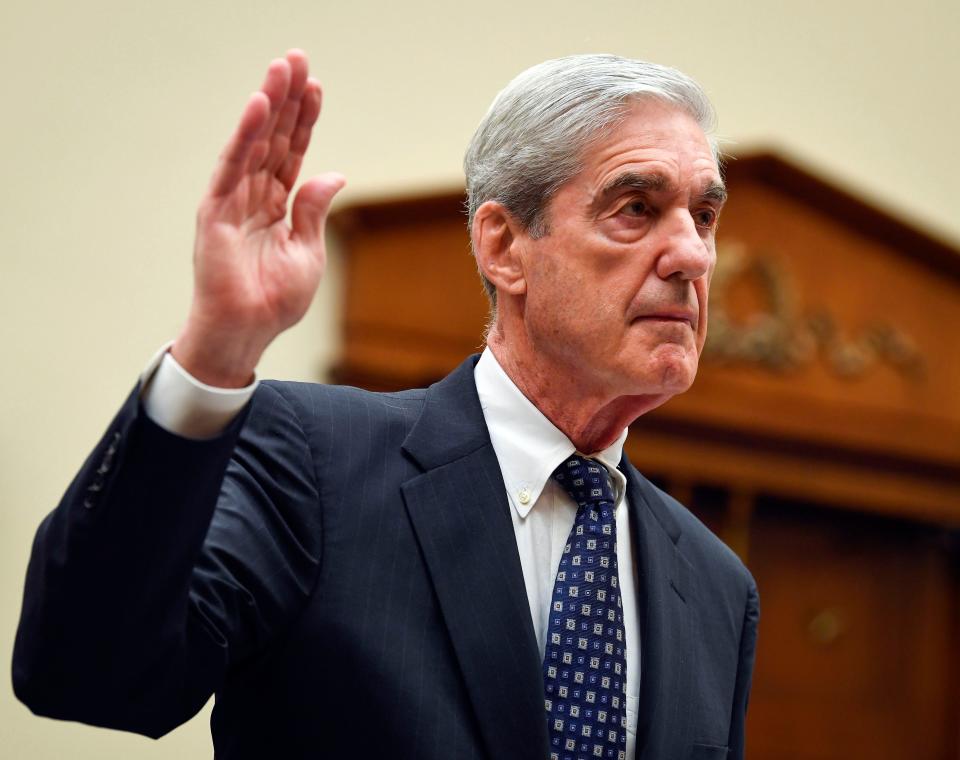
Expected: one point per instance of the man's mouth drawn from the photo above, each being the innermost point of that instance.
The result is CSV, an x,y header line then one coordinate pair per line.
x,y
671,315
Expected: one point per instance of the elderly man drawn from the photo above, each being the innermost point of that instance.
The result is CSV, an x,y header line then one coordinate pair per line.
x,y
472,570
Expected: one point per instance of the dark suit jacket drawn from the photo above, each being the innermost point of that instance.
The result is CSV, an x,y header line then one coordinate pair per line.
x,y
340,568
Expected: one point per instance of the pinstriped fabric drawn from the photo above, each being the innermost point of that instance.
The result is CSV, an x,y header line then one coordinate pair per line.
x,y
584,666
371,634
375,597
416,611
465,535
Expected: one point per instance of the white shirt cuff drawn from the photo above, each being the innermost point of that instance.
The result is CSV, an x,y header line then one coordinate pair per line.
x,y
180,404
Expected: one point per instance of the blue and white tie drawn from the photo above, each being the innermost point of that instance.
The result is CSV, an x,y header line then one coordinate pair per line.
x,y
584,665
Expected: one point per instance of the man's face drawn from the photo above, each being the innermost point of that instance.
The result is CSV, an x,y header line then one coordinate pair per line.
x,y
616,291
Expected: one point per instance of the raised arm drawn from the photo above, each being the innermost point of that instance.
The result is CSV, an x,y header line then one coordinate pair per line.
x,y
255,274
169,559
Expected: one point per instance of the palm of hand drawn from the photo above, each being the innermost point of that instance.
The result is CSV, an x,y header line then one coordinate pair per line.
x,y
253,270
255,275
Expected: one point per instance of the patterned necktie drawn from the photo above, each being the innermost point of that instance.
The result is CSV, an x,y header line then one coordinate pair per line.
x,y
584,666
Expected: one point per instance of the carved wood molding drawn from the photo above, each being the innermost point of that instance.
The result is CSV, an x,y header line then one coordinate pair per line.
x,y
783,335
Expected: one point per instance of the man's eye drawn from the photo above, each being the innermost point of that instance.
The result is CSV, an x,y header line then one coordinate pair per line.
x,y
635,208
706,217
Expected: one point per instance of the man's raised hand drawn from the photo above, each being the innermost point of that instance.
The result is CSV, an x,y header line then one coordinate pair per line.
x,y
255,275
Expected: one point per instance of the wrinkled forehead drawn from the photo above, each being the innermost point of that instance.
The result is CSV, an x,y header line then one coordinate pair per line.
x,y
654,107
654,146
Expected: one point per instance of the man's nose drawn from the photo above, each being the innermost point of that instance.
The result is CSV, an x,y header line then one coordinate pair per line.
x,y
686,252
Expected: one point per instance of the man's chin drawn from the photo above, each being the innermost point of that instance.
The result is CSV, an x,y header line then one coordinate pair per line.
x,y
669,380
674,371
627,409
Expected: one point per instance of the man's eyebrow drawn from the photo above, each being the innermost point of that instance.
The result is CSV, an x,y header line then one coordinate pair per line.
x,y
634,181
652,182
716,192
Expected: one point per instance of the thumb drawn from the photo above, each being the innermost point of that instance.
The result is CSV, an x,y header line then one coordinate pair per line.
x,y
311,205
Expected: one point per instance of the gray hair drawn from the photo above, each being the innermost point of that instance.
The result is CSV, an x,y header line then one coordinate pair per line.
x,y
533,137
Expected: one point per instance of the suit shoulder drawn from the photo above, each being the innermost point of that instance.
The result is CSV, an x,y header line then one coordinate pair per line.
x,y
702,547
317,395
332,406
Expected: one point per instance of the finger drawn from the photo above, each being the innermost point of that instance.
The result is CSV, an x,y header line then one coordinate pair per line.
x,y
276,86
311,205
233,161
288,113
300,139
276,83
279,146
242,153
299,68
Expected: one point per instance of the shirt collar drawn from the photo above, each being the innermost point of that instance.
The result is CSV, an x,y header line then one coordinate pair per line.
x,y
528,446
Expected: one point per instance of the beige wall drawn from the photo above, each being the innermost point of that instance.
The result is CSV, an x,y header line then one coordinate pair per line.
x,y
112,113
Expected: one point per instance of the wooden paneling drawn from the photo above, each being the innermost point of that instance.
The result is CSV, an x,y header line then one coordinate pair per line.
x,y
414,305
856,656
821,474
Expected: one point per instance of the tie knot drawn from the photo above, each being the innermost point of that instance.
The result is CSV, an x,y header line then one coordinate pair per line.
x,y
587,481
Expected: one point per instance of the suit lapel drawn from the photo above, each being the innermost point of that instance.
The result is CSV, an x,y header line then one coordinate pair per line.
x,y
664,586
459,511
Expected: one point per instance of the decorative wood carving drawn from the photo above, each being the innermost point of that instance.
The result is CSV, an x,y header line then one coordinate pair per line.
x,y
777,336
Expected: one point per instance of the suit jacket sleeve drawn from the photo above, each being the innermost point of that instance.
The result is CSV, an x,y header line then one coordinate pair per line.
x,y
748,644
167,561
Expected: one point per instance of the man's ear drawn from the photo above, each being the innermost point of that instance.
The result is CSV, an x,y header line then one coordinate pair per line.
x,y
497,240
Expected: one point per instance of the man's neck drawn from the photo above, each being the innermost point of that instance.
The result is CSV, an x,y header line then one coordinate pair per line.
x,y
590,418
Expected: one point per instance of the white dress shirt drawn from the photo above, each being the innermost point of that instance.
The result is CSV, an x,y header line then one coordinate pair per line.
x,y
528,448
